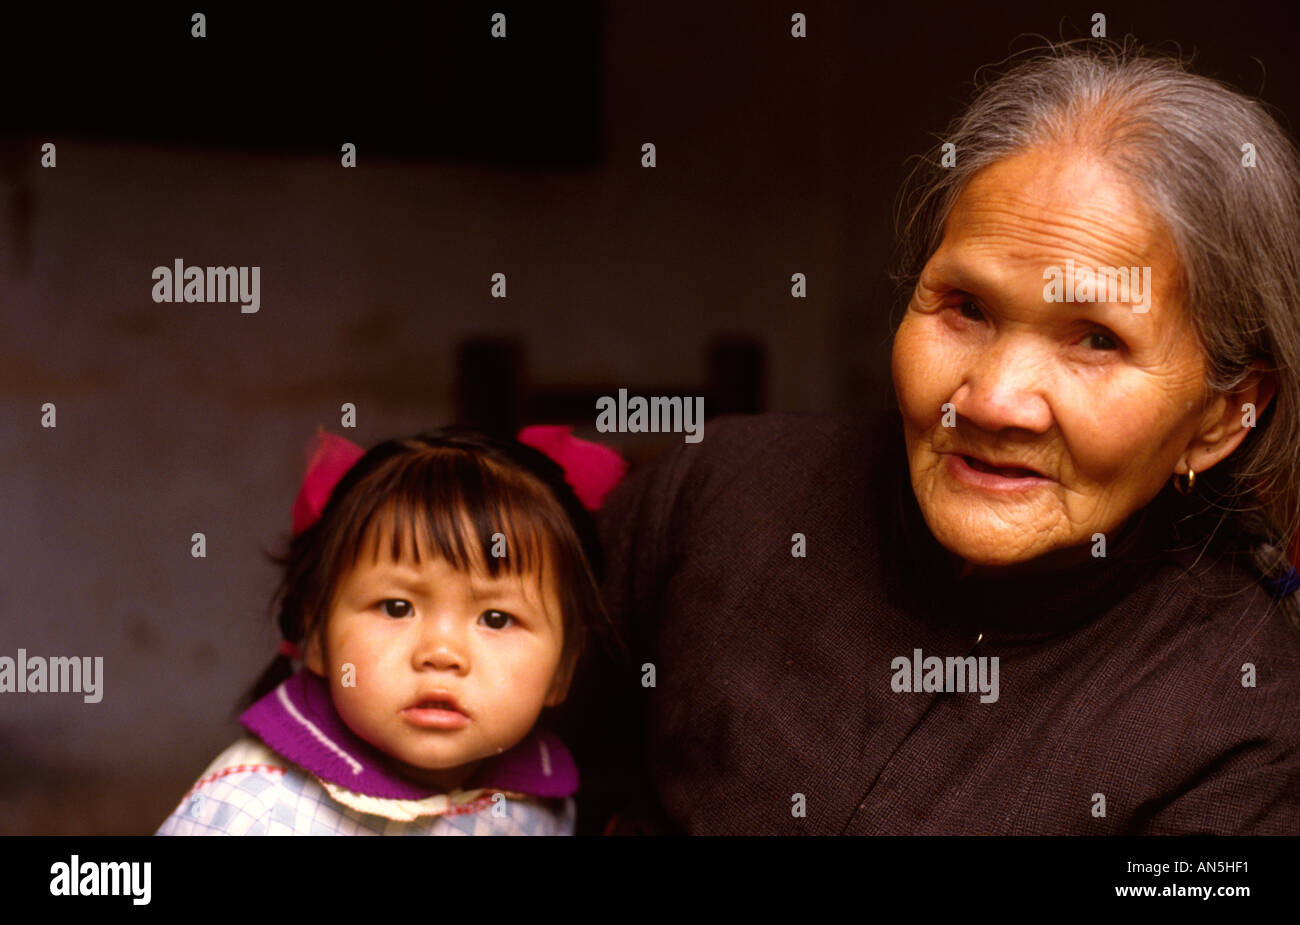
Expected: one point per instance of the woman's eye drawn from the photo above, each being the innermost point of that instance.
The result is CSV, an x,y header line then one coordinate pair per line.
x,y
403,607
496,619
1105,338
1101,338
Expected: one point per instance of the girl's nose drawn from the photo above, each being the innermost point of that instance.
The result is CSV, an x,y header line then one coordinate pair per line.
x,y
443,657
442,645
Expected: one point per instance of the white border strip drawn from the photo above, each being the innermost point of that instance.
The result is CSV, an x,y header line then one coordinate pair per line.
x,y
319,736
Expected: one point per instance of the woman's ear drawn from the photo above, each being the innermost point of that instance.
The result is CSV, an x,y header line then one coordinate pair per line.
x,y
1230,417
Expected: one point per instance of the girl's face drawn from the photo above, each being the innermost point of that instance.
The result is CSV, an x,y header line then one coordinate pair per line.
x,y
438,668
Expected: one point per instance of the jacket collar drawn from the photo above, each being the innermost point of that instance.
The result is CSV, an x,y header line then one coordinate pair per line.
x,y
298,721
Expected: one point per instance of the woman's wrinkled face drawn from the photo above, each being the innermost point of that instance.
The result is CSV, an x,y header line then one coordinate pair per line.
x,y
1102,401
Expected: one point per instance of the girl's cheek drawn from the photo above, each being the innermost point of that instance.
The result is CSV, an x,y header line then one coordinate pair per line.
x,y
353,645
521,665
356,632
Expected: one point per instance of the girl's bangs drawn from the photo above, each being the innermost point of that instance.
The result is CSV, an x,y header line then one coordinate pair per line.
x,y
451,505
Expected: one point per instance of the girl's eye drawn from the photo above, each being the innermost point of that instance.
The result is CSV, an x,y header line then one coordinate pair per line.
x,y
496,619
404,607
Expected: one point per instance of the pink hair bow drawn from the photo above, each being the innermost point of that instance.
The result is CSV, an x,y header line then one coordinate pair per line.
x,y
329,457
590,469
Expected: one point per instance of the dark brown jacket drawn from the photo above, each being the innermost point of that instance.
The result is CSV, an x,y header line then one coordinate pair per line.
x,y
1118,680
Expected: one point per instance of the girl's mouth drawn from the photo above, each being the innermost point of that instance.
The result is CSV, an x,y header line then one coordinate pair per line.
x,y
437,699
437,705
435,714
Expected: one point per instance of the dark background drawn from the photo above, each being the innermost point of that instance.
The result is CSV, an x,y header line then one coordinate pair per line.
x,y
475,156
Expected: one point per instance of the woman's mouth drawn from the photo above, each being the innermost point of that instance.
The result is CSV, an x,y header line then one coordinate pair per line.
x,y
979,474
1011,472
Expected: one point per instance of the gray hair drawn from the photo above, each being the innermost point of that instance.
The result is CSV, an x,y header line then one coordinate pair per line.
x,y
1179,137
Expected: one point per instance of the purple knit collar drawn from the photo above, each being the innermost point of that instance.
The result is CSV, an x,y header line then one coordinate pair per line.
x,y
298,720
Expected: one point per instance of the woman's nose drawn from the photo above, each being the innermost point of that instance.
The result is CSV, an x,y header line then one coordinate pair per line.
x,y
1005,385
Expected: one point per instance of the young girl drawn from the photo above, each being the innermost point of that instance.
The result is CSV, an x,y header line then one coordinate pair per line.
x,y
438,591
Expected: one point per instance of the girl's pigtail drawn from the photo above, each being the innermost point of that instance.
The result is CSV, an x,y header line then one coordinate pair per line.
x,y
289,620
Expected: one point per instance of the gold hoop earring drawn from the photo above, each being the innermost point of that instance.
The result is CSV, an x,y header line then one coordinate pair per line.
x,y
1191,481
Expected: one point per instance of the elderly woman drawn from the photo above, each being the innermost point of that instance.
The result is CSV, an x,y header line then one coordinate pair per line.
x,y
1048,594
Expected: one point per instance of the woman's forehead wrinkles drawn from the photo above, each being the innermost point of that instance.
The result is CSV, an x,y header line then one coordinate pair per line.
x,y
1039,237
962,268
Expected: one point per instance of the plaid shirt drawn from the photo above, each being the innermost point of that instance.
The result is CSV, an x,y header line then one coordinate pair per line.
x,y
251,790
